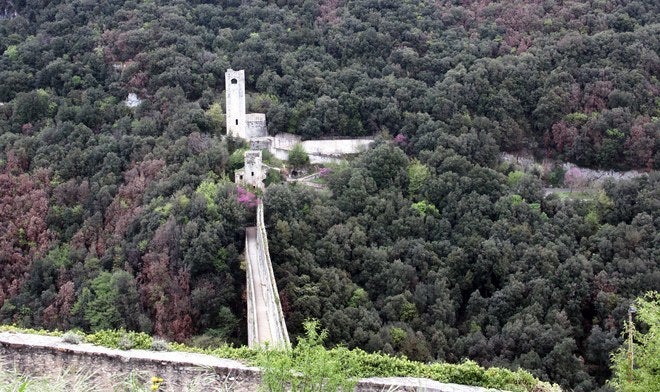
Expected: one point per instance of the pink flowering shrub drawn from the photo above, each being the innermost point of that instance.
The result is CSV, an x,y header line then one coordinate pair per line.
x,y
401,139
575,178
248,199
324,172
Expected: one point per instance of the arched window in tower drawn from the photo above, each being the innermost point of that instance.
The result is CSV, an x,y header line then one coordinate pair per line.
x,y
236,121
234,81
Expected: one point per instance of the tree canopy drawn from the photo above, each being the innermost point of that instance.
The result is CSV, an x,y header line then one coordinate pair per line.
x,y
636,366
427,245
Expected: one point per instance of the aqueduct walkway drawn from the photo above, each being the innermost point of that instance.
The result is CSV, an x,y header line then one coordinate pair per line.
x,y
265,320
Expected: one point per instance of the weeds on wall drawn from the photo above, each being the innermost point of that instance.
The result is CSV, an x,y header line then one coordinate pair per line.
x,y
307,367
68,380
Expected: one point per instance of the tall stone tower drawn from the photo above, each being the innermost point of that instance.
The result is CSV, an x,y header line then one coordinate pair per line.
x,y
235,98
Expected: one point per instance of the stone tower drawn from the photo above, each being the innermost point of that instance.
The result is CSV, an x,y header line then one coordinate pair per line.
x,y
253,172
235,101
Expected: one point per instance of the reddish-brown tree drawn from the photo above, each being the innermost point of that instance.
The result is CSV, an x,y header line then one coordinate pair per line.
x,y
24,234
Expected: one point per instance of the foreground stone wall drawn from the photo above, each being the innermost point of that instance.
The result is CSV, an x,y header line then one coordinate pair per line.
x,y
46,355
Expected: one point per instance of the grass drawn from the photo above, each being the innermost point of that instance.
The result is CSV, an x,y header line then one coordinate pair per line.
x,y
318,180
67,380
84,380
585,194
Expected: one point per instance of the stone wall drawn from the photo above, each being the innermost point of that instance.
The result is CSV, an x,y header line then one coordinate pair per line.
x,y
285,141
324,147
45,355
319,151
591,177
261,143
256,125
49,356
336,147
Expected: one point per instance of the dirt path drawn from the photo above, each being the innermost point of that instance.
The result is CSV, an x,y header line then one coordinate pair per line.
x,y
308,180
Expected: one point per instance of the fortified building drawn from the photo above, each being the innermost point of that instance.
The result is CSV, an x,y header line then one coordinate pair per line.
x,y
254,171
252,127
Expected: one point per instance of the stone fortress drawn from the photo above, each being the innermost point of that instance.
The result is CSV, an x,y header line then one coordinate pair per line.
x,y
252,127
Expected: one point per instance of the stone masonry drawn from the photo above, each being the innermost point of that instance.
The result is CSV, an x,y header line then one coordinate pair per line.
x,y
235,101
46,355
253,173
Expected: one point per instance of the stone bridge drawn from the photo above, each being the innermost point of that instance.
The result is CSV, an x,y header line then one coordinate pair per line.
x,y
265,320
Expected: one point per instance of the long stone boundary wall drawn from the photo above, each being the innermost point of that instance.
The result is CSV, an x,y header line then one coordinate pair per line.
x,y
46,355
337,147
319,151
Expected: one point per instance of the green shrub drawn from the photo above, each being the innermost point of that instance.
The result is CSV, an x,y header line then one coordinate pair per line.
x,y
555,177
307,367
120,339
160,345
298,157
514,177
72,337
125,343
42,332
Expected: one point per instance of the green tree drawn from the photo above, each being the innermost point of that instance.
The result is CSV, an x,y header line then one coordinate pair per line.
x,y
418,173
32,106
636,364
112,301
298,157
216,114
387,165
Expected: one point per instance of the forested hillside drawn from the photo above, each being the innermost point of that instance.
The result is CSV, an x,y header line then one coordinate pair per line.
x,y
426,245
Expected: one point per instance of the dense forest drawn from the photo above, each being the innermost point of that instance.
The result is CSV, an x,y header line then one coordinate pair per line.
x,y
426,245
